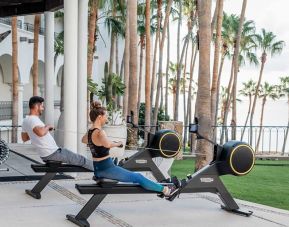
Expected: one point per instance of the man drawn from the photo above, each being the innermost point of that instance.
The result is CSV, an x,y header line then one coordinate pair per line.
x,y
35,130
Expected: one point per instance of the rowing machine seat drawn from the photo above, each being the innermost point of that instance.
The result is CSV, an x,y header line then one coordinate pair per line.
x,y
104,182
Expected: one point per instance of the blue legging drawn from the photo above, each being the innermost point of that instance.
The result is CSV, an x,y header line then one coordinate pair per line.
x,y
107,169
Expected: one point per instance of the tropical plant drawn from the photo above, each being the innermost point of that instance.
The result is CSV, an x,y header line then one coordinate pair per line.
x,y
269,45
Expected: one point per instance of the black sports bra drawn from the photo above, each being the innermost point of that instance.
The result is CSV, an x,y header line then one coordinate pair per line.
x,y
96,151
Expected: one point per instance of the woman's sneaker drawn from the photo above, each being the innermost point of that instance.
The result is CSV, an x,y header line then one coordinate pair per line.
x,y
171,192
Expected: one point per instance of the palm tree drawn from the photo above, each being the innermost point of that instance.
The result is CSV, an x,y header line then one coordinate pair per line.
x,y
266,91
268,45
147,66
236,67
92,36
142,42
284,90
161,47
14,79
156,46
247,91
203,97
35,54
179,61
214,87
247,49
132,99
59,50
126,65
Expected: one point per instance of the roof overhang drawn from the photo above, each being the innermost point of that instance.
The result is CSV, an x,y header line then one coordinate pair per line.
x,y
24,7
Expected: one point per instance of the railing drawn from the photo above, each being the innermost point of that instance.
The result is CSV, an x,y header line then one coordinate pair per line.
x,y
25,26
6,109
8,21
6,132
30,27
273,139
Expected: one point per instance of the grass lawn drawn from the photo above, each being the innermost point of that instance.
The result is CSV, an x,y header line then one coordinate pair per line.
x,y
268,185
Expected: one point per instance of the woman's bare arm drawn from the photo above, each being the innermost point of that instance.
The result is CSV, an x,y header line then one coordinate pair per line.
x,y
84,139
101,139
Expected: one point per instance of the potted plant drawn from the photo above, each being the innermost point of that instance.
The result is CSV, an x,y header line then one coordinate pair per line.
x,y
112,87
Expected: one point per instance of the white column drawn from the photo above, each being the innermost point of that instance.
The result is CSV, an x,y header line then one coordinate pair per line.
x,y
20,110
49,68
82,74
70,73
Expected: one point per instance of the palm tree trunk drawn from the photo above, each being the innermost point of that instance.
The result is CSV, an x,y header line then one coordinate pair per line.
x,y
162,41
15,79
116,56
91,35
176,112
35,54
236,69
142,46
204,155
179,62
215,15
147,68
126,67
247,117
117,66
156,46
228,102
215,79
255,97
218,89
261,124
167,70
92,27
184,96
112,51
189,101
132,99
287,130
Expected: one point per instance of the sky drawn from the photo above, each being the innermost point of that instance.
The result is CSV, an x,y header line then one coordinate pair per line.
x,y
272,16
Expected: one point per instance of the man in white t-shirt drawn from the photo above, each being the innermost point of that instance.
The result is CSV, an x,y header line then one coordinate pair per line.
x,y
35,130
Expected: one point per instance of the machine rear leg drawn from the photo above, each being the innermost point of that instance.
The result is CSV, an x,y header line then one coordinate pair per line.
x,y
37,189
81,218
229,203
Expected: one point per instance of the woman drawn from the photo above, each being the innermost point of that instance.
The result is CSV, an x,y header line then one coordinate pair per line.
x,y
104,167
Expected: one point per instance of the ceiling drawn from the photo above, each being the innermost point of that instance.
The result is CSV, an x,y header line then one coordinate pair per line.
x,y
23,7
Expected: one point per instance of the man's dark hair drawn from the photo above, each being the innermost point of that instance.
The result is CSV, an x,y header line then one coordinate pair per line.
x,y
35,100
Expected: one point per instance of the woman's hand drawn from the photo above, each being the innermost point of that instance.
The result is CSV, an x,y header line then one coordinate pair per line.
x,y
118,144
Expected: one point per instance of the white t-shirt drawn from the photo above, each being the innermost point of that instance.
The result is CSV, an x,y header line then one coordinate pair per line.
x,y
45,145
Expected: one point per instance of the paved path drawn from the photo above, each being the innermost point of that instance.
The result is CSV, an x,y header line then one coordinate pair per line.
x,y
20,210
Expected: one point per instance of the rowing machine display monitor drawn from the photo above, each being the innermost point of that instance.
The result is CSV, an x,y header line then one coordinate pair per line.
x,y
193,128
165,143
